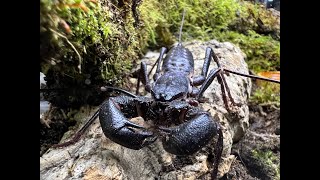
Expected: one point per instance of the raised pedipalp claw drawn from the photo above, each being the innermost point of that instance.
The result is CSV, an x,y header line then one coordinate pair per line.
x,y
119,129
190,136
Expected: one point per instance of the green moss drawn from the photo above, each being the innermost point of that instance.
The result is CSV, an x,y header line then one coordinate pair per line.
x,y
269,160
224,20
97,40
263,52
201,18
250,26
87,41
92,29
267,93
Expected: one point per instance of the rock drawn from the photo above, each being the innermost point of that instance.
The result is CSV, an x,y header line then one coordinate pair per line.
x,y
44,106
259,149
42,85
42,81
44,111
262,157
97,157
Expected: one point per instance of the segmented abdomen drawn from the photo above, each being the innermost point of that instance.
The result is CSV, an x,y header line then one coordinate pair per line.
x,y
178,59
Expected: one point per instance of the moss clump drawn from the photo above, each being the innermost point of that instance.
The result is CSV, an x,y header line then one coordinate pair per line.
x,y
101,32
263,52
253,28
269,160
85,44
267,93
250,26
201,19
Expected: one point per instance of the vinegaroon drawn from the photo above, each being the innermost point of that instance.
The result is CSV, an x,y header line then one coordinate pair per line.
x,y
172,112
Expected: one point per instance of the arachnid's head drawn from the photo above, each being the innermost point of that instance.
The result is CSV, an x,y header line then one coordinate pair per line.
x,y
171,86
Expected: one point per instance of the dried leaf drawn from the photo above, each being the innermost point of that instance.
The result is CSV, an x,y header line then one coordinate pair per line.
x,y
270,74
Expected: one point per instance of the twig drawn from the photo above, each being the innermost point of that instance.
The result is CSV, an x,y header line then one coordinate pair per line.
x,y
261,111
264,136
63,114
241,158
80,59
269,103
45,122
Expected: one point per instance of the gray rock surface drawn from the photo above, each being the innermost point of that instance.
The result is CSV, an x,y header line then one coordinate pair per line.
x,y
44,105
42,85
96,157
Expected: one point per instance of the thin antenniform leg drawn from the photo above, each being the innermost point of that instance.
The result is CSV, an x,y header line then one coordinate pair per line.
x,y
142,72
251,76
158,62
77,136
138,83
223,79
216,59
142,76
105,88
145,79
162,51
223,92
218,152
228,90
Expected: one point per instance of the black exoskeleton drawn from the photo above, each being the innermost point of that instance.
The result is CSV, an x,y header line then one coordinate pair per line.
x,y
171,113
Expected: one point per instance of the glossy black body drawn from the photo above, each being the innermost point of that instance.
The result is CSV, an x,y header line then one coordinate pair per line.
x,y
179,59
183,128
118,128
173,81
189,137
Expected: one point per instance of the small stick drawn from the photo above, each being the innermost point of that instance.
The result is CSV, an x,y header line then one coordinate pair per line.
x,y
80,59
